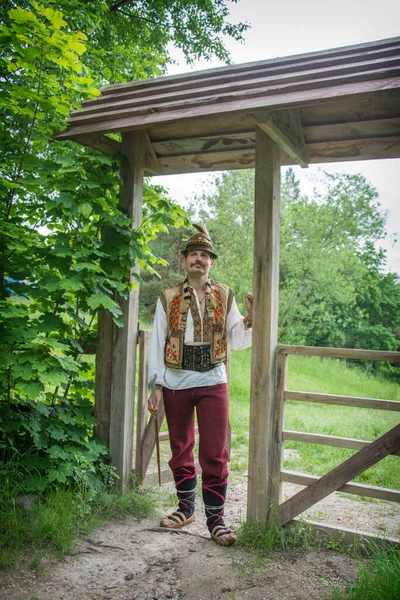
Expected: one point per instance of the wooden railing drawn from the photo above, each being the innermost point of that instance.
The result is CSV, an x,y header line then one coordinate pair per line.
x,y
282,435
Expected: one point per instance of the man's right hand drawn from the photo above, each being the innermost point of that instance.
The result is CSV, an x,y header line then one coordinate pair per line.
x,y
159,396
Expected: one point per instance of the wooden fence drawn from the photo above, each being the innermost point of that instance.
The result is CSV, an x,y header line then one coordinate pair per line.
x,y
369,453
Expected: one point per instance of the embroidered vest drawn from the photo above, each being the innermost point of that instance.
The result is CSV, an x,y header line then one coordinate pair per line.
x,y
177,300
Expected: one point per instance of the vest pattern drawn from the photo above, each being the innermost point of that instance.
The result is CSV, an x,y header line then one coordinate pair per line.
x,y
177,300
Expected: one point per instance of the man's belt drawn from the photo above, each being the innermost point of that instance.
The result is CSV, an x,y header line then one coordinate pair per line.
x,y
197,358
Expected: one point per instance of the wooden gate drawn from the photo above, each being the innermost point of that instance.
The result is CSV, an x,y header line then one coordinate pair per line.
x,y
337,479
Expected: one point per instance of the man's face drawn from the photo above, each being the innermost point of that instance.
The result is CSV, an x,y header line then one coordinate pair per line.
x,y
198,263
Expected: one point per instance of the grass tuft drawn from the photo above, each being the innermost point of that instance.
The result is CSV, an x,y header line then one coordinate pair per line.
x,y
378,577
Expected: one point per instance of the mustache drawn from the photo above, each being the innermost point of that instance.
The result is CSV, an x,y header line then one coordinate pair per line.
x,y
200,264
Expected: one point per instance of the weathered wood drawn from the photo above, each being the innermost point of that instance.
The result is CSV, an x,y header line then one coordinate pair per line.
x,y
340,352
326,440
153,165
285,128
363,149
149,441
102,143
338,477
354,53
294,84
352,131
349,488
103,376
124,338
277,463
250,86
344,535
278,97
142,410
343,400
262,490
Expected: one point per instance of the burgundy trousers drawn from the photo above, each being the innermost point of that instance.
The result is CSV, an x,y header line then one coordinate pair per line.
x,y
211,405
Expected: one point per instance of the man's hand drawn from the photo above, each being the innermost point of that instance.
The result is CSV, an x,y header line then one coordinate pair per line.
x,y
159,396
249,306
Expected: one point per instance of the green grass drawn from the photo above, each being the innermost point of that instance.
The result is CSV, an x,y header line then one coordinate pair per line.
x,y
378,577
52,523
331,376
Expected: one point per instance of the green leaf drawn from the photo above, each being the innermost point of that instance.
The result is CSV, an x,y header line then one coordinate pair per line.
x,y
97,300
31,389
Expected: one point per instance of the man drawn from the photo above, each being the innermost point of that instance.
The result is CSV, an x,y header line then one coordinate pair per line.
x,y
193,322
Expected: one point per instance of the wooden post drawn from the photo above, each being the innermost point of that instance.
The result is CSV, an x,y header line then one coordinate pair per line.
x,y
103,376
125,338
262,489
143,394
281,384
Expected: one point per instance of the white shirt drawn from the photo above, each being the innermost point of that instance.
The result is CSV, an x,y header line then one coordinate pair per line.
x,y
239,338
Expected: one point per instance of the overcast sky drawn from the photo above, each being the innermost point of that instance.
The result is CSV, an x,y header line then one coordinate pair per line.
x,y
285,27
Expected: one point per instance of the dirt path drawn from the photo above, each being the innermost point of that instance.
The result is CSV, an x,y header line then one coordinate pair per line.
x,y
126,560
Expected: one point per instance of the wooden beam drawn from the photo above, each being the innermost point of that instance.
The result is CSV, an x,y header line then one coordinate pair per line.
x,y
149,441
343,400
143,393
262,490
153,165
286,129
349,488
103,376
326,440
340,352
278,439
335,479
343,535
99,142
125,338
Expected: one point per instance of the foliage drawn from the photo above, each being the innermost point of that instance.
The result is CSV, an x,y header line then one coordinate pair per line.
x,y
50,521
66,246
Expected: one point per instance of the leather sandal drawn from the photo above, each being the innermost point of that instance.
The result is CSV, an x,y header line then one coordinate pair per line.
x,y
223,535
176,520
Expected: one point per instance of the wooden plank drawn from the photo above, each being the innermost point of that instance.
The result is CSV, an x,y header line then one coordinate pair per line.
x,y
335,479
239,72
336,54
152,163
342,400
149,441
262,491
217,98
142,410
103,376
245,159
352,130
278,458
281,98
340,352
249,86
124,338
344,535
349,488
365,149
285,128
326,440
204,144
102,143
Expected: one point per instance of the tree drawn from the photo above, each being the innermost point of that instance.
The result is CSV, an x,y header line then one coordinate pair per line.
x,y
332,289
57,269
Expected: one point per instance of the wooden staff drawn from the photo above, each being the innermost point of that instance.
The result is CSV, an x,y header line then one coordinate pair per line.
x,y
156,432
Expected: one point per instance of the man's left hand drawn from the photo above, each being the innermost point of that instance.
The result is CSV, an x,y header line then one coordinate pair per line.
x,y
249,306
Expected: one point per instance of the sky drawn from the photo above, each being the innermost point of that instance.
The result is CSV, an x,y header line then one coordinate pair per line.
x,y
286,27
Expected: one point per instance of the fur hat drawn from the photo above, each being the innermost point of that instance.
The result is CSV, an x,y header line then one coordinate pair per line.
x,y
200,241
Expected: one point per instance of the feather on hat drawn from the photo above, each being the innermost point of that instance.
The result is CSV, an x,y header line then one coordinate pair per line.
x,y
200,240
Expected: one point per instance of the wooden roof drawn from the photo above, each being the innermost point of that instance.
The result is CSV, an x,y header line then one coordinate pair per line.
x,y
340,104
